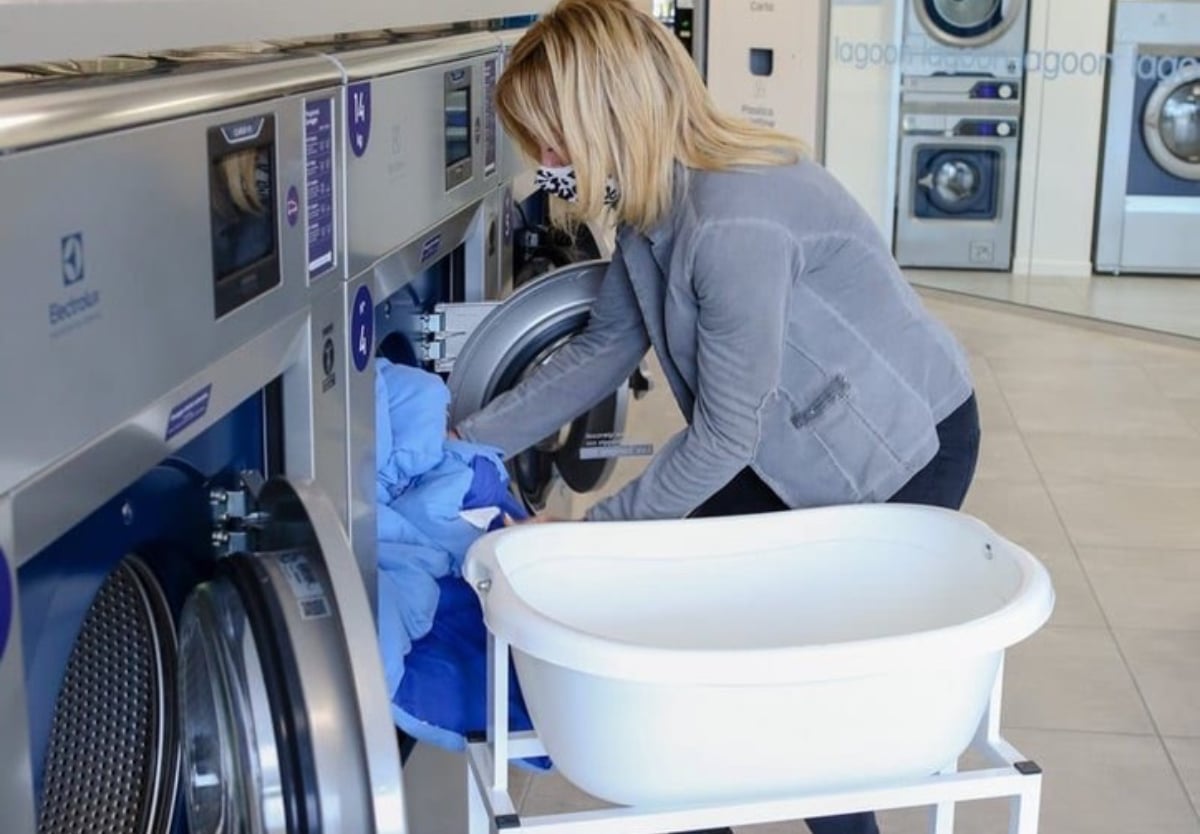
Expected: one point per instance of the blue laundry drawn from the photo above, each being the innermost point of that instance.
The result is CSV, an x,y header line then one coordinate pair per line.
x,y
432,637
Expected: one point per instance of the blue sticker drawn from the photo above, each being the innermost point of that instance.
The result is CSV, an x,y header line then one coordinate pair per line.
x,y
318,183
358,114
189,411
293,206
431,247
5,603
72,259
362,328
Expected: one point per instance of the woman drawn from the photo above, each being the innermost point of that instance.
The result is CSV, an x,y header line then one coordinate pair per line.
x,y
807,368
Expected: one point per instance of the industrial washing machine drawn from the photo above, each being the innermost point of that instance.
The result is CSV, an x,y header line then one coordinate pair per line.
x,y
430,222
1148,207
969,37
957,173
187,639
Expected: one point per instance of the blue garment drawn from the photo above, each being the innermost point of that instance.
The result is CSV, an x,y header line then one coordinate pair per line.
x,y
432,637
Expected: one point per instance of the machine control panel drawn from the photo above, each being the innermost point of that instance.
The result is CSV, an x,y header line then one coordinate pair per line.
x,y
242,208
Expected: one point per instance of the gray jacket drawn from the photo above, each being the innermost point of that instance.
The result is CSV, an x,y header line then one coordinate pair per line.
x,y
787,333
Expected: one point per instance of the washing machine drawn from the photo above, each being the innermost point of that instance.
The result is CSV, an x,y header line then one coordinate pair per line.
x,y
965,37
1148,206
186,638
957,174
430,282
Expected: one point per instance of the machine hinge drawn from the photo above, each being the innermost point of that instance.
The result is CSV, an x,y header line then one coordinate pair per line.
x,y
444,331
234,515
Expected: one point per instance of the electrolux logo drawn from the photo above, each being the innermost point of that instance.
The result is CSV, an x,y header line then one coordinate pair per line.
x,y
82,305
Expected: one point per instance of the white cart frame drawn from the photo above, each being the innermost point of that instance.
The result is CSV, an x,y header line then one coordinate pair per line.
x,y
491,807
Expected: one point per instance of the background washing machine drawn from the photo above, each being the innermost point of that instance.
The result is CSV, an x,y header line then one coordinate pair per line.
x,y
957,189
983,37
192,647
1149,202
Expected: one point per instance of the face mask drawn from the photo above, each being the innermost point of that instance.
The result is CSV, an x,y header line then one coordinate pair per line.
x,y
561,182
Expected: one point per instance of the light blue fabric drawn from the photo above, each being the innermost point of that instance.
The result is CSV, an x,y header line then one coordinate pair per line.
x,y
424,482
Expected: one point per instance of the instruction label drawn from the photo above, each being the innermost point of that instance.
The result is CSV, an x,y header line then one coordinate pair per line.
x,y
612,445
310,594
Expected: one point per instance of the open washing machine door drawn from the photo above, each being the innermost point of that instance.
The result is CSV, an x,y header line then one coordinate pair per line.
x,y
967,23
285,721
1171,122
514,339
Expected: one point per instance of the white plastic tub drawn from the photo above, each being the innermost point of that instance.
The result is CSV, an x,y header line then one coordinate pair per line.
x,y
758,656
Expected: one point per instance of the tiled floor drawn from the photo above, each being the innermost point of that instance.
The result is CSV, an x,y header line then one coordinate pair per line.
x,y
1091,459
1169,304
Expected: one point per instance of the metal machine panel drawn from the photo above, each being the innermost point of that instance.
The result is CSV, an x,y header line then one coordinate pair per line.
x,y
116,271
399,150
35,31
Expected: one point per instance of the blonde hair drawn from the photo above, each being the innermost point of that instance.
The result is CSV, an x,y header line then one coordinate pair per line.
x,y
612,90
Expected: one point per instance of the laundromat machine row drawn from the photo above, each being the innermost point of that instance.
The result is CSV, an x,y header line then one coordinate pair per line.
x,y
205,258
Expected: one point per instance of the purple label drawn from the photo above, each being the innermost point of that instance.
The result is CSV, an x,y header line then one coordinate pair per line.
x,y
293,206
358,115
318,183
243,131
431,247
189,411
362,328
6,606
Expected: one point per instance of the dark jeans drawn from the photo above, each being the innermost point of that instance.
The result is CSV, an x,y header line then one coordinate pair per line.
x,y
942,483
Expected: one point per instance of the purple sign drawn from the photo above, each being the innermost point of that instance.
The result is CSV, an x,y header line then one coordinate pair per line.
x,y
6,606
318,183
189,411
489,115
293,206
358,116
362,328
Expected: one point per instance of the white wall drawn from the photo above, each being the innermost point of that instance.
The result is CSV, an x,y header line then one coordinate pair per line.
x,y
1061,156
860,105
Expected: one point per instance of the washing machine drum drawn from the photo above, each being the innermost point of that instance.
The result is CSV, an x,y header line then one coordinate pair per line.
x,y
957,183
968,22
1171,124
284,718
510,344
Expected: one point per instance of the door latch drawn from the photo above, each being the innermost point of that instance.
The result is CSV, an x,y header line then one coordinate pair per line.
x,y
444,331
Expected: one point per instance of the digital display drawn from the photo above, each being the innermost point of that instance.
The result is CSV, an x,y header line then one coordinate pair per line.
x,y
458,126
242,201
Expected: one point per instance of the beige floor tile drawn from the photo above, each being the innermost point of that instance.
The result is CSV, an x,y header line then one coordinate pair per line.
x,y
1071,679
1022,512
1147,589
1003,457
1190,411
1166,666
1178,379
1104,399
1106,784
1130,458
994,414
1185,753
552,794
1075,604
1128,515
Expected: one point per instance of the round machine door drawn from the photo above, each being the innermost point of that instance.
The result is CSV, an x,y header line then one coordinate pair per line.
x,y
285,720
1171,123
968,23
513,341
956,183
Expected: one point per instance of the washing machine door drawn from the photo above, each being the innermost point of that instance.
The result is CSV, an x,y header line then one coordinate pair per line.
x,y
284,715
967,23
514,340
1171,123
958,183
